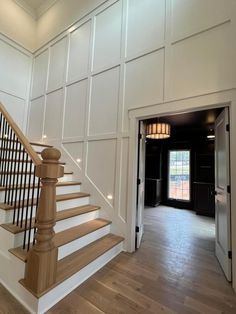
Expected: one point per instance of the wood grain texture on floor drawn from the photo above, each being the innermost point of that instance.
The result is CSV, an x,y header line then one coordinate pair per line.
x,y
8,304
174,271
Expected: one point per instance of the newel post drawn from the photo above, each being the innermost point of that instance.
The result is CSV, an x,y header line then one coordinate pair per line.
x,y
41,266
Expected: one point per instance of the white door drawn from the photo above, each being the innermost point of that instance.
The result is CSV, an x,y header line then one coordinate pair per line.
x,y
222,191
140,184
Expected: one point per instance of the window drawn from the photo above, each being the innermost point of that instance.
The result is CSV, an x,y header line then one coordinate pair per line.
x,y
179,175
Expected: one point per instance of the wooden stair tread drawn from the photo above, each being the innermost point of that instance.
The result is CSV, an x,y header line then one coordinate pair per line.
x,y
76,261
66,236
61,215
59,184
27,173
59,198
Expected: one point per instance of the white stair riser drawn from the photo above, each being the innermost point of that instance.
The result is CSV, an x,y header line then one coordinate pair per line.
x,y
60,226
59,191
67,177
55,295
67,189
75,245
6,216
75,221
72,203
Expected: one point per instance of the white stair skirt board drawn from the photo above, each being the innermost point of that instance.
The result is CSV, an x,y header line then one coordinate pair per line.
x,y
55,295
75,221
11,271
78,244
72,203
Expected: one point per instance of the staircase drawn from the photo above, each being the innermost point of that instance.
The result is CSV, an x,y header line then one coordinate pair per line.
x,y
52,238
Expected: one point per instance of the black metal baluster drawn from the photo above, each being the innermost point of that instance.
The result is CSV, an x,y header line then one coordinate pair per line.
x,y
4,152
14,168
25,169
6,136
31,210
21,174
11,179
8,163
2,125
28,220
18,179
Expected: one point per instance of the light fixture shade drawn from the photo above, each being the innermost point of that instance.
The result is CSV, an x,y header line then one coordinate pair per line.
x,y
158,130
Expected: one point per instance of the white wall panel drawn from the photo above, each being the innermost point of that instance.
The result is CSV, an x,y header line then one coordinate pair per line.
x,y
202,64
16,108
40,74
15,70
75,150
74,118
57,64
192,16
146,25
79,52
104,102
108,36
53,115
101,163
36,118
144,81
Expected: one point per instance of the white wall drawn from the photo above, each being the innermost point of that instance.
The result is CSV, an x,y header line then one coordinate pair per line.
x,y
60,16
126,54
15,75
17,24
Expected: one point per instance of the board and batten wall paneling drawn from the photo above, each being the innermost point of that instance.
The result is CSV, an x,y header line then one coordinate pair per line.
x,y
57,65
74,117
145,34
75,150
54,114
126,55
107,41
36,118
40,74
100,166
104,102
79,46
15,65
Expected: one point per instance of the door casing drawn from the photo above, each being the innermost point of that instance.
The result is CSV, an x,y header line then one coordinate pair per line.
x,y
210,101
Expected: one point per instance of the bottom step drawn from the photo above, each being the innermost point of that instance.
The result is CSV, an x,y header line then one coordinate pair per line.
x,y
75,262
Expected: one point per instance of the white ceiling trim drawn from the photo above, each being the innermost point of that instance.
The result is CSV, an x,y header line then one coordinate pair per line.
x,y
36,12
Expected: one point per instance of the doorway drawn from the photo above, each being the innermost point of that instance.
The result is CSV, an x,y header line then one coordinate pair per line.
x,y
190,171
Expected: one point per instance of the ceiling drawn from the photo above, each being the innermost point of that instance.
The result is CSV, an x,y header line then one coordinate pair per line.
x,y
35,7
193,121
35,4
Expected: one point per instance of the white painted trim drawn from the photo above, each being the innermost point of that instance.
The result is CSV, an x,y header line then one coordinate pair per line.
x,y
219,99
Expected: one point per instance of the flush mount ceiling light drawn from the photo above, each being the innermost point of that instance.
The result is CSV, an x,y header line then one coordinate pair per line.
x,y
211,134
158,130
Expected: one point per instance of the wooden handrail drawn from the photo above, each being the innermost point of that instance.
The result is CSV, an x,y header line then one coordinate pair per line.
x,y
21,137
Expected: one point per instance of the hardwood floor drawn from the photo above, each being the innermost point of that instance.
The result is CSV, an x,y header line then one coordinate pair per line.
x,y
8,304
174,271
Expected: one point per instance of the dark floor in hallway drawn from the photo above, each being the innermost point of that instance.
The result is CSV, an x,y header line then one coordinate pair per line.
x,y
174,271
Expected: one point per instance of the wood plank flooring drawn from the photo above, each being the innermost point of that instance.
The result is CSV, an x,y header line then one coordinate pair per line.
x,y
174,271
